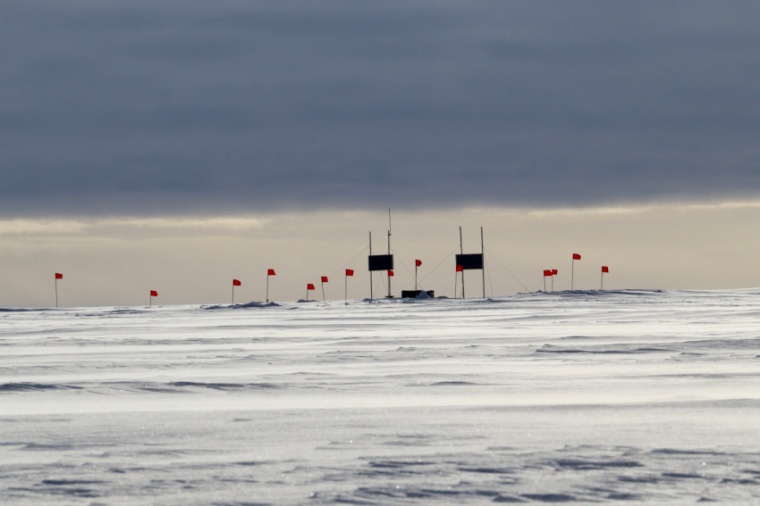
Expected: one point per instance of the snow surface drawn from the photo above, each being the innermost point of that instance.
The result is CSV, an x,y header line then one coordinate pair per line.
x,y
563,397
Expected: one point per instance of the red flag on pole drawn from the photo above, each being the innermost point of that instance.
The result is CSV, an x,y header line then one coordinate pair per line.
x,y
576,256
324,279
270,272
460,268
236,282
554,272
58,276
605,268
418,263
153,293
390,272
349,272
310,286
547,273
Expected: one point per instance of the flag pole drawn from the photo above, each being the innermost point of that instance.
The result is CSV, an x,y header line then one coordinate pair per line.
x,y
415,275
552,282
547,273
601,285
345,287
572,272
233,293
323,291
576,256
309,287
270,273
56,291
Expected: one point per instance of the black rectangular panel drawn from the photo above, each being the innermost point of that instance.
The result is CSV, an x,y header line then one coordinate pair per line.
x,y
413,294
380,262
470,261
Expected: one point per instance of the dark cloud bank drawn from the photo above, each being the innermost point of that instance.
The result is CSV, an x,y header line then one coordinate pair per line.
x,y
227,106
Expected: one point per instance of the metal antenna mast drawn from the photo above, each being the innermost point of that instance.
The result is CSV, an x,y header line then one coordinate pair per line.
x,y
461,251
483,256
389,251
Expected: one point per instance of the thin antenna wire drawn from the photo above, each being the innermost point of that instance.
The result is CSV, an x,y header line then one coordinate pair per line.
x,y
335,272
508,271
423,278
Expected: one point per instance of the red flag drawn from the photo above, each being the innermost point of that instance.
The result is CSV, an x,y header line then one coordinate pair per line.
x,y
547,273
270,272
324,279
576,256
236,282
605,268
58,275
349,272
554,272
459,268
310,286
390,273
153,293
418,263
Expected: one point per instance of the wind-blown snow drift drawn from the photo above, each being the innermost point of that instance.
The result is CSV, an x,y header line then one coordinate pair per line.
x,y
572,396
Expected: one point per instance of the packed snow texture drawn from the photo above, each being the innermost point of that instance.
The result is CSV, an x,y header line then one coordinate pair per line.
x,y
554,397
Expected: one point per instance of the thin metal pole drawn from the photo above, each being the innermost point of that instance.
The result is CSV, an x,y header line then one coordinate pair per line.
x,y
461,250
415,276
233,293
371,294
389,251
572,274
267,288
323,291
483,259
56,292
601,287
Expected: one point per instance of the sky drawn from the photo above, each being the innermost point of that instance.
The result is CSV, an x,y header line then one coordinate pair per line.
x,y
184,143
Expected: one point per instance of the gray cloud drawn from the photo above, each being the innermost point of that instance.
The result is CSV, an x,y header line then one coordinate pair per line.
x,y
174,107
